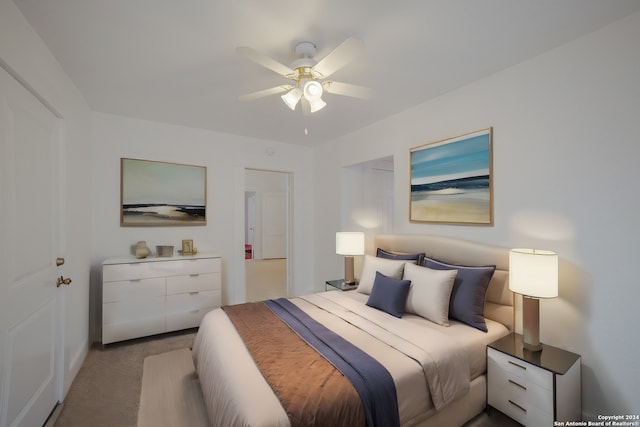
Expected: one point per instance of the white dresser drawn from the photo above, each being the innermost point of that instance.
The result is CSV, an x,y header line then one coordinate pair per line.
x,y
533,388
149,296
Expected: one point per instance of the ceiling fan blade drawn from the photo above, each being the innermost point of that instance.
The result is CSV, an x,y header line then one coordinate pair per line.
x,y
264,60
347,89
265,92
346,52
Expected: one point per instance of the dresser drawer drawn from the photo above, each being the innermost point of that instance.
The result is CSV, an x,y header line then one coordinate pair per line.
x,y
131,271
193,300
193,283
133,329
189,266
133,289
187,319
125,311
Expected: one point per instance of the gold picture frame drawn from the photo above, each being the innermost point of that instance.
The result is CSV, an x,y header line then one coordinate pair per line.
x,y
451,180
156,193
188,248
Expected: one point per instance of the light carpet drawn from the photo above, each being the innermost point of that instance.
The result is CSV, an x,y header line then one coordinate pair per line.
x,y
171,394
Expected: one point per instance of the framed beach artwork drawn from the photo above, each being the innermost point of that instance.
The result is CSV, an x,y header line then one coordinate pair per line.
x,y
161,193
451,180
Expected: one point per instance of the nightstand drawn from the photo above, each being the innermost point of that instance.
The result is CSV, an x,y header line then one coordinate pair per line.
x,y
338,284
533,388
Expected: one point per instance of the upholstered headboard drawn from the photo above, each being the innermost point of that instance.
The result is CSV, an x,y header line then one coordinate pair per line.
x,y
499,300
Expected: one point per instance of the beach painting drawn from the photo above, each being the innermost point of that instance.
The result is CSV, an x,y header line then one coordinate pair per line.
x,y
451,180
161,193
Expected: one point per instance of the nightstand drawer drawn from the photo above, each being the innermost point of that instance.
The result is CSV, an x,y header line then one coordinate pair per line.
x,y
528,395
527,373
525,416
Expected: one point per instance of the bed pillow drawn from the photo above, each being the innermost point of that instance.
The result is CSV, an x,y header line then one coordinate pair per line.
x,y
468,293
389,294
418,258
429,293
388,267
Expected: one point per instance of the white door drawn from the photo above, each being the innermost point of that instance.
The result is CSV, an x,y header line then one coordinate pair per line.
x,y
274,225
30,242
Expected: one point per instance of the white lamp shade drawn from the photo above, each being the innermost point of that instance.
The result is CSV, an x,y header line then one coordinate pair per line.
x,y
316,104
533,272
312,90
292,97
350,243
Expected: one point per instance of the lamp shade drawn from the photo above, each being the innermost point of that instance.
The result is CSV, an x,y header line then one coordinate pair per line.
x,y
533,272
292,97
350,243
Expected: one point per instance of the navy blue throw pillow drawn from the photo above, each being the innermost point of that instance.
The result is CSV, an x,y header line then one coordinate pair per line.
x,y
469,291
418,258
389,294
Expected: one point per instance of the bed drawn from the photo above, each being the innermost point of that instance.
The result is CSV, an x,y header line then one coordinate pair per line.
x,y
436,359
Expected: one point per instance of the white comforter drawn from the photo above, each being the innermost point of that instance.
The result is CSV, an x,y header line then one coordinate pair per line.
x,y
430,364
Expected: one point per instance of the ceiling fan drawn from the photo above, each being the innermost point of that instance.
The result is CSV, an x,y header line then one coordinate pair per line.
x,y
310,77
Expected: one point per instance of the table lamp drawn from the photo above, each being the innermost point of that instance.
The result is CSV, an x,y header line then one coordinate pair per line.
x,y
349,244
533,273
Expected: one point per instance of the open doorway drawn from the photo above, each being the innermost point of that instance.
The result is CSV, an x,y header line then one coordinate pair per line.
x,y
267,231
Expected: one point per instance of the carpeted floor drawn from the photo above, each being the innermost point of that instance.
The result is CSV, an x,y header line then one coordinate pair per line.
x,y
266,279
106,391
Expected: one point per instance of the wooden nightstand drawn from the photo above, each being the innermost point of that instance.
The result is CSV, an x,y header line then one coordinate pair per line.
x,y
533,388
338,284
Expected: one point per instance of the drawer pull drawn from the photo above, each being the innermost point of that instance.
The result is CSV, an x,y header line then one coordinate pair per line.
x,y
194,275
194,311
135,280
519,366
519,385
517,406
194,293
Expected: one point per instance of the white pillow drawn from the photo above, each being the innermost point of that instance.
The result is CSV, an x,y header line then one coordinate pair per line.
x,y
388,267
430,292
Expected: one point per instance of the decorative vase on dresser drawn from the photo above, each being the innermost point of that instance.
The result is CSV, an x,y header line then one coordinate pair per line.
x,y
150,296
142,250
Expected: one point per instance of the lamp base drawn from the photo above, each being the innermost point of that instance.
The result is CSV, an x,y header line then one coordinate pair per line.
x,y
531,323
349,276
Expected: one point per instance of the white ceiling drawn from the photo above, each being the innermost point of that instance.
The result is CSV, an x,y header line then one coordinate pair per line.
x,y
174,61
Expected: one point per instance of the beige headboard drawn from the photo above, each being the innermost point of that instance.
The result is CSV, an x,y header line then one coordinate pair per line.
x,y
499,299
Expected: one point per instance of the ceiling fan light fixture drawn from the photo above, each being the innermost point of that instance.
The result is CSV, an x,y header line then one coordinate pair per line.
x,y
312,90
316,104
292,97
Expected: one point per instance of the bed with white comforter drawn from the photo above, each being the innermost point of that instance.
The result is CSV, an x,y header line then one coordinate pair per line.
x,y
438,371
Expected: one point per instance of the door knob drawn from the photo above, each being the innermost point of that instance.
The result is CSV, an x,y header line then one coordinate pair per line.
x,y
62,281
59,261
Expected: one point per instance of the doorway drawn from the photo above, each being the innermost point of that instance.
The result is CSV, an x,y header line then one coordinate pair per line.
x,y
267,234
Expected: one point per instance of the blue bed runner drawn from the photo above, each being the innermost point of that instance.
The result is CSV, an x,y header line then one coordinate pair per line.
x,y
371,380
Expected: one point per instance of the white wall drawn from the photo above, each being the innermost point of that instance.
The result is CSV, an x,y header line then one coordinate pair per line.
x,y
565,174
24,55
226,157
